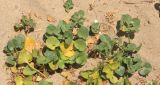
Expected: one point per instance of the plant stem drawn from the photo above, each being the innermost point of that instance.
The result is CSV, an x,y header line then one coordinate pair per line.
x,y
37,70
129,40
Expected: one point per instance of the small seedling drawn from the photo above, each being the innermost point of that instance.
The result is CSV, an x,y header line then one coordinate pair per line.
x,y
68,5
129,24
26,24
78,18
95,27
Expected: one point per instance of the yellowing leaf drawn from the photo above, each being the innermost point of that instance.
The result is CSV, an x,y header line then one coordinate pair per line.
x,y
95,75
19,80
113,79
68,52
53,66
123,29
14,69
107,70
29,44
84,83
100,82
24,57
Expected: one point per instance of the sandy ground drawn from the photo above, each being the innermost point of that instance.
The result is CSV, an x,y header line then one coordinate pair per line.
x,y
12,10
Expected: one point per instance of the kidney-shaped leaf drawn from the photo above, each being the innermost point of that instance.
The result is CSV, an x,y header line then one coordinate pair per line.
x,y
120,71
146,69
41,60
51,29
80,44
52,42
83,32
24,57
28,71
10,60
81,58
51,55
95,27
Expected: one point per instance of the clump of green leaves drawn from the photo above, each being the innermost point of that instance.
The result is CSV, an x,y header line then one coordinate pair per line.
x,y
121,58
14,45
129,24
65,48
27,24
68,5
78,18
21,61
95,27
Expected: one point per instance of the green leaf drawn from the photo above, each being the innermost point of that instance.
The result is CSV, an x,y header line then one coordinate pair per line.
x,y
85,74
24,57
41,60
61,64
68,41
35,53
129,24
51,29
68,5
105,38
10,60
24,20
136,24
52,42
63,26
28,71
51,55
81,58
80,44
68,37
146,69
120,71
32,24
78,18
132,47
83,32
68,34
19,41
95,28
28,81
20,38
17,27
11,46
19,80
43,82
28,24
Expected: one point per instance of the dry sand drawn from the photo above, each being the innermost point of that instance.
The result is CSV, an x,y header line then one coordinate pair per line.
x,y
12,10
